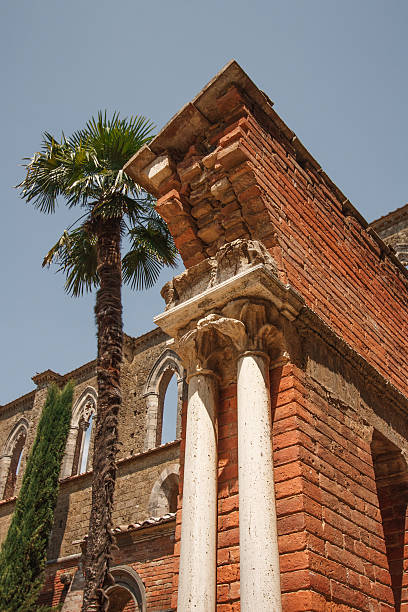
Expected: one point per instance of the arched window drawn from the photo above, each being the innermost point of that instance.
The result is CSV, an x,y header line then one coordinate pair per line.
x,y
128,593
77,452
164,392
11,458
81,454
163,498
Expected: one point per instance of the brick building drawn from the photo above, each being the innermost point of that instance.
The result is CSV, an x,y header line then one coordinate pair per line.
x,y
287,334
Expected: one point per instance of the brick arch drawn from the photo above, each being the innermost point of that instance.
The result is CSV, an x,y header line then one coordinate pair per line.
x,y
128,594
163,498
166,366
10,458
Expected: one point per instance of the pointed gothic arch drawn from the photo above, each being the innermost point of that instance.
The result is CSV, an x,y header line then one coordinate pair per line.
x,y
76,458
11,456
166,366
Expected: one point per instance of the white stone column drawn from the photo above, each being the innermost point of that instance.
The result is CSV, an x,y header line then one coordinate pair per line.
x,y
198,555
5,462
259,556
180,389
66,468
152,402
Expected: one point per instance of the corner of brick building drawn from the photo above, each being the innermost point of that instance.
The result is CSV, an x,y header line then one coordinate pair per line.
x,y
228,168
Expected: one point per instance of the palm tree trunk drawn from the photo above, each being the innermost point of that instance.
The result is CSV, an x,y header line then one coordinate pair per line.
x,y
108,313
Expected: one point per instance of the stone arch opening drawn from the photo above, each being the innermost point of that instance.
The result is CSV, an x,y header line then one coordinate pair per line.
x,y
128,593
77,458
167,366
164,495
391,477
11,458
169,412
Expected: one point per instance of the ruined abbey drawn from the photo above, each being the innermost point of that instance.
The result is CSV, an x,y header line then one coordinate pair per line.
x,y
286,486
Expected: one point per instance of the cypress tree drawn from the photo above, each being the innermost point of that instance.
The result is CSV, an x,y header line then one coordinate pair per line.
x,y
24,551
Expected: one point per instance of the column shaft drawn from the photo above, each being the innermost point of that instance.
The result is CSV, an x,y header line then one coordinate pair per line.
x,y
67,462
5,462
152,402
259,556
198,555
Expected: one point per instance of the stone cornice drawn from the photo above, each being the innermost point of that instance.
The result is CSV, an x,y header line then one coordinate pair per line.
x,y
88,370
257,281
148,529
24,399
203,290
390,219
193,120
125,460
10,500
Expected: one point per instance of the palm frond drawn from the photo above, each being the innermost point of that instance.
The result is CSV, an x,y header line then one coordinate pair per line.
x,y
151,250
158,242
75,254
85,169
140,269
86,166
56,250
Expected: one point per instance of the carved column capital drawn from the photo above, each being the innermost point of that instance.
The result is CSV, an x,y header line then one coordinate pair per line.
x,y
217,340
211,345
261,323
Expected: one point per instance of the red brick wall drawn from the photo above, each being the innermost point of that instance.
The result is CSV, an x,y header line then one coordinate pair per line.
x,y
54,592
228,525
152,559
329,257
332,548
329,523
277,193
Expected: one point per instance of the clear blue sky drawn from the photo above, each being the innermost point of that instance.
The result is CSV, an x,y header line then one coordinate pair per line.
x,y
336,70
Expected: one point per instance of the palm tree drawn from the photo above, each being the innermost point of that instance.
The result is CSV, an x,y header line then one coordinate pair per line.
x,y
86,171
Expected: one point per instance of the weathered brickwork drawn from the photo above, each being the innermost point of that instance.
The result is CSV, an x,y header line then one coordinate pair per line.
x,y
227,168
331,541
136,478
150,555
255,179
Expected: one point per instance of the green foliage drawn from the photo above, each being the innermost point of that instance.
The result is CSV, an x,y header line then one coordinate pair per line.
x,y
86,171
24,552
